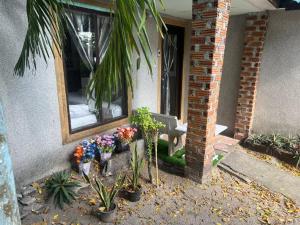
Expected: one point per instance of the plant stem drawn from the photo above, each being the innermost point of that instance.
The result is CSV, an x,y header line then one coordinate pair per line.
x,y
156,163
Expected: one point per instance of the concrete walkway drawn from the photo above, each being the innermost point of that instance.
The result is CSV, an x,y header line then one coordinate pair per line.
x,y
250,168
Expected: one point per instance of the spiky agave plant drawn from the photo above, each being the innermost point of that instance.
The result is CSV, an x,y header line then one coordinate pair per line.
x,y
136,167
61,186
106,194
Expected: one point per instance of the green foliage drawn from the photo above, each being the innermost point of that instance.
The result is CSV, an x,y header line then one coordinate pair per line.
x,y
46,20
136,167
61,187
106,195
129,34
144,120
177,159
45,26
277,142
149,126
216,159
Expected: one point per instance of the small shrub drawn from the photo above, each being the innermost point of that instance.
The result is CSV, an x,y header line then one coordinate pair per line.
x,y
61,187
278,143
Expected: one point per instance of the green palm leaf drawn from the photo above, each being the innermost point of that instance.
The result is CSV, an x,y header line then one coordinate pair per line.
x,y
45,31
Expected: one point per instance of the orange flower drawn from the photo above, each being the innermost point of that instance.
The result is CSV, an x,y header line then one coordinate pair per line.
x,y
78,154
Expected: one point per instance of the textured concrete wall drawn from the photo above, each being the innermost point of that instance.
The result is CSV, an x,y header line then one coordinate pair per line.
x,y
30,104
231,72
277,105
145,85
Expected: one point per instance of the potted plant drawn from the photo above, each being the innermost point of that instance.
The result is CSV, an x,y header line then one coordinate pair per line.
x,y
106,195
149,127
106,146
124,138
134,190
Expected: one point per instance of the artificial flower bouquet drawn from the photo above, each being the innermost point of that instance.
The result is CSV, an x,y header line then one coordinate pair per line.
x,y
106,146
84,154
124,137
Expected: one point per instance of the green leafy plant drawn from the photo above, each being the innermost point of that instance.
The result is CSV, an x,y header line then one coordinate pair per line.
x,y
277,142
136,167
45,26
216,159
257,139
61,187
46,20
149,127
106,195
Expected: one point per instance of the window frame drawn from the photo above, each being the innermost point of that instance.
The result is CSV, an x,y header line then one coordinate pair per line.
x,y
69,135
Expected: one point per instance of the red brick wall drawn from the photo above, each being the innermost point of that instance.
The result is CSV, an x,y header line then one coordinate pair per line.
x,y
209,29
256,29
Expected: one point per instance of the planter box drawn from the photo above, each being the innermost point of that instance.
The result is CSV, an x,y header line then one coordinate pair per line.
x,y
282,155
167,167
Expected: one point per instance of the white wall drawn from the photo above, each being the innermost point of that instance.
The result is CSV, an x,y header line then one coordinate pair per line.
x,y
31,103
278,97
231,72
145,85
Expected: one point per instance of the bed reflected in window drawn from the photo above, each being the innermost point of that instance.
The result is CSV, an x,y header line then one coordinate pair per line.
x,y
87,38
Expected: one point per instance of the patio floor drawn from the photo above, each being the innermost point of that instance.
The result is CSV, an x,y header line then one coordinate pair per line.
x,y
225,200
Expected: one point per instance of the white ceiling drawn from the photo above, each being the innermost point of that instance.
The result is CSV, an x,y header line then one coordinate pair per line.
x,y
183,8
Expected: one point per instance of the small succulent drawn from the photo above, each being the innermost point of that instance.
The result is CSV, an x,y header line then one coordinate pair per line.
x,y
106,194
61,187
136,167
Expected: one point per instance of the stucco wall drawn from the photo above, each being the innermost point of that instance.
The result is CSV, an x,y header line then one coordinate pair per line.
x,y
231,72
30,103
145,85
278,96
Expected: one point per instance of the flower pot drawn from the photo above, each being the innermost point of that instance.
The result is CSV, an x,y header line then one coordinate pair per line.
x,y
134,196
107,217
122,147
105,156
85,168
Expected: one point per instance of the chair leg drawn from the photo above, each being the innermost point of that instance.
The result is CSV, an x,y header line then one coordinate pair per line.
x,y
171,145
179,142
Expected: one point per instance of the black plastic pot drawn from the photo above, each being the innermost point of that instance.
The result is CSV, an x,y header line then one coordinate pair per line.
x,y
120,147
134,196
107,217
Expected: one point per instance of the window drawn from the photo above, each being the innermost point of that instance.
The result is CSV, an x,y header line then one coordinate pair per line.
x,y
86,43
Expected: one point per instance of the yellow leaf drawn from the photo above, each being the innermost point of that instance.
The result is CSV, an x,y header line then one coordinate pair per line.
x,y
92,201
37,187
55,217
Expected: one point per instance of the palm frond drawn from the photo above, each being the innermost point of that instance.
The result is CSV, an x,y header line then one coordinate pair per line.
x,y
45,31
129,34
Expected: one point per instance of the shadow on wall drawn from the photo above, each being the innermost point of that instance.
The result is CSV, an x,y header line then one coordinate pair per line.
x,y
290,4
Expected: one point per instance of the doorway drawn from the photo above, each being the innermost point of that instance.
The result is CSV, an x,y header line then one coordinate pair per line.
x,y
172,51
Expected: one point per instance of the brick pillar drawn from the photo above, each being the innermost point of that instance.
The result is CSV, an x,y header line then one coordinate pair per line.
x,y
256,29
209,29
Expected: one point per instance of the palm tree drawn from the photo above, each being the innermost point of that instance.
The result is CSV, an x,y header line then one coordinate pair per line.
x,y
46,26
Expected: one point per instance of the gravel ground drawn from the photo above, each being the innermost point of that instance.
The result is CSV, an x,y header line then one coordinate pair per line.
x,y
225,200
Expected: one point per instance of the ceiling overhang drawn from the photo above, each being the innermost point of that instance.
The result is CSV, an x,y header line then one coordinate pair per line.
x,y
183,8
